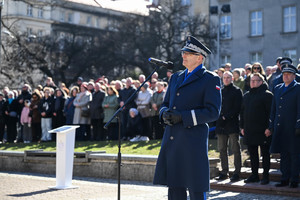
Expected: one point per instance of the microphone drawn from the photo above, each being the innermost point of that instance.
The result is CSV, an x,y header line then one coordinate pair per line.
x,y
168,64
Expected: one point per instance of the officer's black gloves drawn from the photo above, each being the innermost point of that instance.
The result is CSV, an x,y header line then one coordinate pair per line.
x,y
171,117
297,132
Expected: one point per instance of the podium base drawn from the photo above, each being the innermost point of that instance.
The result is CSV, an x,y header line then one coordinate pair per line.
x,y
63,187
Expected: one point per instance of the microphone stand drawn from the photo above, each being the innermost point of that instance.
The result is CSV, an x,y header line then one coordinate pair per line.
x,y
116,114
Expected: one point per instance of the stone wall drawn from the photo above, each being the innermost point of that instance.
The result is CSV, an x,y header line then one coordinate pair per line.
x,y
88,164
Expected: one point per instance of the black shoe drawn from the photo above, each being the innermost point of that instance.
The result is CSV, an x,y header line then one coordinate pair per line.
x,y
282,184
264,181
235,178
252,179
222,177
294,184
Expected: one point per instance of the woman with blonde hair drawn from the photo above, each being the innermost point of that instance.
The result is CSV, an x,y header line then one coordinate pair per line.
x,y
110,105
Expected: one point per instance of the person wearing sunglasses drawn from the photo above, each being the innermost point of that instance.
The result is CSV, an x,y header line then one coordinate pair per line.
x,y
192,100
258,68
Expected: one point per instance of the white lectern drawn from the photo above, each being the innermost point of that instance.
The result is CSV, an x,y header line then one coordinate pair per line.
x,y
65,142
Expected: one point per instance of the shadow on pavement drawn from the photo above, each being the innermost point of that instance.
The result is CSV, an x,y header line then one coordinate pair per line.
x,y
32,193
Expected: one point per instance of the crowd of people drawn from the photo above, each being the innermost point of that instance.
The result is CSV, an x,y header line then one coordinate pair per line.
x,y
263,107
29,114
252,105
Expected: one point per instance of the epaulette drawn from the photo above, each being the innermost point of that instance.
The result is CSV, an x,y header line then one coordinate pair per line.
x,y
211,73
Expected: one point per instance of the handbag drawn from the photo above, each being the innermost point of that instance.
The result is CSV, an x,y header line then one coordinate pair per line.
x,y
85,112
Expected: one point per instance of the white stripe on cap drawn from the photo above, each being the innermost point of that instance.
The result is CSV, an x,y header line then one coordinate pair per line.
x,y
194,117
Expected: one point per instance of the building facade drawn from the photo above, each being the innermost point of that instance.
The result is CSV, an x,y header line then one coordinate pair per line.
x,y
255,31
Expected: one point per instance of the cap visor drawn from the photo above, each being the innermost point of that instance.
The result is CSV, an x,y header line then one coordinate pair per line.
x,y
189,50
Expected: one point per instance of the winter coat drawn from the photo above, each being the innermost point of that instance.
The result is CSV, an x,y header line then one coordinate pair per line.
x,y
46,105
2,114
157,98
231,106
82,102
285,119
143,103
34,110
183,159
58,108
240,83
69,110
278,80
25,118
113,104
124,96
255,113
96,105
13,110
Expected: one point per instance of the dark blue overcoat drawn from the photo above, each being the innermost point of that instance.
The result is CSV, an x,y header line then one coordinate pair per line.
x,y
285,118
183,159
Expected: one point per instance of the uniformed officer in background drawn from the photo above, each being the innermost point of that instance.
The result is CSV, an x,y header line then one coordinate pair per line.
x,y
193,99
278,80
285,126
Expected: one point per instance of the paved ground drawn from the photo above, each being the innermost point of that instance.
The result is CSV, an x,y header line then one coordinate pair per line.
x,y
36,186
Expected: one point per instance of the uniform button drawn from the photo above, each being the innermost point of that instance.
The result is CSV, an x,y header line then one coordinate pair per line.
x,y
278,124
178,94
280,97
174,107
278,115
279,106
188,127
171,138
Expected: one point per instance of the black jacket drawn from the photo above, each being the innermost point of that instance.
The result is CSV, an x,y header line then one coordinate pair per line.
x,y
46,105
255,113
231,106
96,105
124,96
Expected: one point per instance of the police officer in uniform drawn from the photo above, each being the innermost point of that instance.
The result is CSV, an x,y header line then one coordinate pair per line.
x,y
285,126
278,80
192,100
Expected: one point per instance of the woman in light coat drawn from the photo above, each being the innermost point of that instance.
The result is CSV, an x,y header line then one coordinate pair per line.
x,y
110,105
81,116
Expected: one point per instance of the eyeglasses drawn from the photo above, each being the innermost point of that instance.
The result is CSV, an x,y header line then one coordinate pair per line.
x,y
256,68
187,53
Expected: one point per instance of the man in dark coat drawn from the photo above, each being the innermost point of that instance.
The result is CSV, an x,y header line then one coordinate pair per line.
x,y
255,113
227,127
2,114
285,126
192,100
97,114
124,95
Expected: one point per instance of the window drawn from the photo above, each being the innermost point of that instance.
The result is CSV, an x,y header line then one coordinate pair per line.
x,y
256,57
291,53
40,13
289,19
89,21
29,10
62,16
97,23
256,23
29,31
225,27
70,17
185,2
40,33
225,59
